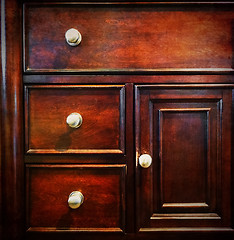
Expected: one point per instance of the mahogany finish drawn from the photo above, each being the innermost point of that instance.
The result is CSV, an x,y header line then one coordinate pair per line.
x,y
48,188
148,77
12,177
127,37
184,132
101,107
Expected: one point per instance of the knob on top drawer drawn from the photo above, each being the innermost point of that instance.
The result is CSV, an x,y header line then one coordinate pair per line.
x,y
73,37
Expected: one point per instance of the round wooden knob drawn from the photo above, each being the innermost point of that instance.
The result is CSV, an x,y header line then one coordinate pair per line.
x,y
74,120
75,199
145,160
73,37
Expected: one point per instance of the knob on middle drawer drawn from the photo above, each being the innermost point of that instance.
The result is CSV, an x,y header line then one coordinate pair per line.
x,y
74,120
73,37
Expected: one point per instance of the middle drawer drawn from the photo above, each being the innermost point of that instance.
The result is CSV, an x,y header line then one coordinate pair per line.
x,y
102,109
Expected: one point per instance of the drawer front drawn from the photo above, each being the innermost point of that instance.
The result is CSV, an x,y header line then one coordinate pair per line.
x,y
49,187
128,37
102,109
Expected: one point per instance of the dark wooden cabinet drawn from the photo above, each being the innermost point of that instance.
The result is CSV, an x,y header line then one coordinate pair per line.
x,y
151,79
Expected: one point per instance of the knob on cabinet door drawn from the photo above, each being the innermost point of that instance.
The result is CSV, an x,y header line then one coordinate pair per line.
x,y
74,120
75,199
73,37
145,160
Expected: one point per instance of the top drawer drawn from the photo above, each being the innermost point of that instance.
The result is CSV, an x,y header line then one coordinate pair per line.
x,y
135,37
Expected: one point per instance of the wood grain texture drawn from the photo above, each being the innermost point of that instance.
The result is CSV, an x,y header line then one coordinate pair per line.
x,y
121,37
48,188
188,142
232,157
185,233
130,151
2,10
101,107
180,55
12,187
122,79
182,129
165,2
184,147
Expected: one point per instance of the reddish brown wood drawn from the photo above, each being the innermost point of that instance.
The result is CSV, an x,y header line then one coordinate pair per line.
x,y
130,151
187,184
103,187
184,52
175,2
84,158
187,135
1,184
128,38
120,79
232,159
11,121
101,107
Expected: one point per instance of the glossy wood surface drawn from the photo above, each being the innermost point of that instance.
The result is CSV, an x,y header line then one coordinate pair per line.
x,y
103,187
101,107
12,183
178,2
128,38
188,180
180,56
137,79
1,184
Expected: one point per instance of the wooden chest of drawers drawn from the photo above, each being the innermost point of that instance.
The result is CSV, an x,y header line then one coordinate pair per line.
x,y
117,120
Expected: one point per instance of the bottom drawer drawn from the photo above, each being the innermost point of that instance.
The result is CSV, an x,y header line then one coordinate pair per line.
x,y
48,188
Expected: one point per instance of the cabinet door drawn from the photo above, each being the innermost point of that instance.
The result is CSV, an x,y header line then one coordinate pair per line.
x,y
187,131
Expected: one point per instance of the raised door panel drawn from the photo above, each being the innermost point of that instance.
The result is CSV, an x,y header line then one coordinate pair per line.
x,y
186,132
